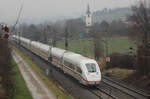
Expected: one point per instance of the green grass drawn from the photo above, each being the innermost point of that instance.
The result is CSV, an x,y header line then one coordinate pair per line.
x,y
85,46
82,46
20,90
120,44
49,83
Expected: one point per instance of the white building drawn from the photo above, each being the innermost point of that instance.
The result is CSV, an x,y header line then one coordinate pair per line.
x,y
88,17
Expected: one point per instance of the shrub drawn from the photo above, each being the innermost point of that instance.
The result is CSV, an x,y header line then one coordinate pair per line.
x,y
121,60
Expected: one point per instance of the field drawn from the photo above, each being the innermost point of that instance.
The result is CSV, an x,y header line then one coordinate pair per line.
x,y
85,46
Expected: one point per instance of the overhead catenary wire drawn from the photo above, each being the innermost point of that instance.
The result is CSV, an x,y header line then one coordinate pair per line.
x,y
18,18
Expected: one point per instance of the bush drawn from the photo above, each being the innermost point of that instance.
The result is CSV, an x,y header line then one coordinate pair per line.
x,y
143,60
121,60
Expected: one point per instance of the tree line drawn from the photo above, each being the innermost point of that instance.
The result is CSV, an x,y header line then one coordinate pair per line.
x,y
76,27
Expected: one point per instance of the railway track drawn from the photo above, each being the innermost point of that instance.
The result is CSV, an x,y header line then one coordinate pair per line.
x,y
102,94
130,92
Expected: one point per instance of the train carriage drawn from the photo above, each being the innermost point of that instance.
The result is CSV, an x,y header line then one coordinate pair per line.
x,y
84,69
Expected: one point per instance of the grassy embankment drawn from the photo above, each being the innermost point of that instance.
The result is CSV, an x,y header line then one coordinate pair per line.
x,y
49,83
115,44
20,90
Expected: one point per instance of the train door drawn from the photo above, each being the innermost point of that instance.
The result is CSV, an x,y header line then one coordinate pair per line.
x,y
62,61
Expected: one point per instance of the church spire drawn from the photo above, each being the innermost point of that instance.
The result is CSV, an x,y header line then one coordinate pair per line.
x,y
88,9
88,17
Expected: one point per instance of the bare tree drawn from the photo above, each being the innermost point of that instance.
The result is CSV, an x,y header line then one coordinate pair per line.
x,y
141,22
118,27
46,33
75,27
141,32
97,42
98,45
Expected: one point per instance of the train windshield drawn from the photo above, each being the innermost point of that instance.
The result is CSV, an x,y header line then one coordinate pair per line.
x,y
91,67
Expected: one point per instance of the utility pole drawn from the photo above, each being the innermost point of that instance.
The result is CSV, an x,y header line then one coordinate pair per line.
x,y
19,41
106,45
66,38
54,37
19,15
50,41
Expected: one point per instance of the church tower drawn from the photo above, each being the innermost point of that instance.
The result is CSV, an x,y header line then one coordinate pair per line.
x,y
88,17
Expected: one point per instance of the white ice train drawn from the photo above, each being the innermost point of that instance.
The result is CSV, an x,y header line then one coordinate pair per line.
x,y
84,69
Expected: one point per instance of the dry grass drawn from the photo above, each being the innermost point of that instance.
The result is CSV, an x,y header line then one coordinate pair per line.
x,y
118,73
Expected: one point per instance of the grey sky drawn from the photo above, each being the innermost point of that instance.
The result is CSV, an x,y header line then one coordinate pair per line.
x,y
40,9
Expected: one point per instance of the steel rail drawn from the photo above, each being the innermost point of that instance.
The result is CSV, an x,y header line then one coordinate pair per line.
x,y
98,92
141,93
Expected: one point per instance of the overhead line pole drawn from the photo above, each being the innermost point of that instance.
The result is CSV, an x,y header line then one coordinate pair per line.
x,y
19,14
17,21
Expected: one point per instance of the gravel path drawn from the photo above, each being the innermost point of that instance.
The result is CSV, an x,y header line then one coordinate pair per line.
x,y
35,85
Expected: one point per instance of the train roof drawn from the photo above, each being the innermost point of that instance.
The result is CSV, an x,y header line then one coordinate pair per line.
x,y
21,38
68,56
41,46
76,58
24,40
58,52
44,47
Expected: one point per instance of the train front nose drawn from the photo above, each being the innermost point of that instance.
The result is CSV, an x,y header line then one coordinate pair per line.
x,y
94,78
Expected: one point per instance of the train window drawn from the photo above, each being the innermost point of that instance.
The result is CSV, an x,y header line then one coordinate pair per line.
x,y
56,58
69,65
79,70
91,67
65,63
72,66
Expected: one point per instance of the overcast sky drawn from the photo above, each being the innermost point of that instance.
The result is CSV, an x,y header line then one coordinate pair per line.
x,y
40,9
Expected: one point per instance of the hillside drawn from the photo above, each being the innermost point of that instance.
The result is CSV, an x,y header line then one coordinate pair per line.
x,y
111,14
